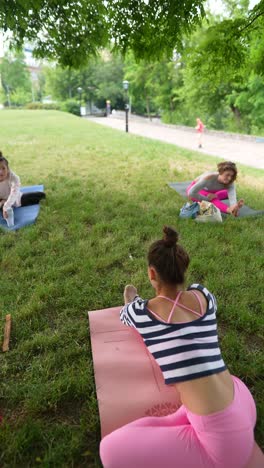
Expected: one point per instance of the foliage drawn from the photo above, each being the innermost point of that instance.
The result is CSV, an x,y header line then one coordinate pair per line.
x,y
15,79
107,81
20,97
231,46
72,31
217,88
71,106
61,83
212,74
107,200
67,30
141,84
100,79
40,105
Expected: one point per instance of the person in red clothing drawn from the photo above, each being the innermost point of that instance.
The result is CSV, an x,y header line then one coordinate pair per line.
x,y
200,128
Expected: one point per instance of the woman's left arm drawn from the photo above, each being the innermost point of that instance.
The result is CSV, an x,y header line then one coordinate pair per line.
x,y
131,313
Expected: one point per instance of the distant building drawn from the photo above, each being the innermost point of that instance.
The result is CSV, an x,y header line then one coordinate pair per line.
x,y
33,65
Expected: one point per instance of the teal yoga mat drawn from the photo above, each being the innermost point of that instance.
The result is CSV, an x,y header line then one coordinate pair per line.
x,y
23,215
181,188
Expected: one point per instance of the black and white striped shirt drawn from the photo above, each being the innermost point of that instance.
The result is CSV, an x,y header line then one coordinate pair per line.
x,y
184,351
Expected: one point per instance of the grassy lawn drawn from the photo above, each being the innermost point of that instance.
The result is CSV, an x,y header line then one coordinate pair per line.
x,y
107,199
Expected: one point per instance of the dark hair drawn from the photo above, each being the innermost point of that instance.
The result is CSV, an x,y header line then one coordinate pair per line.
x,y
169,258
227,166
4,160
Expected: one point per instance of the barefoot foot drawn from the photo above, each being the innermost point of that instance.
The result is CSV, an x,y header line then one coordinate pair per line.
x,y
234,209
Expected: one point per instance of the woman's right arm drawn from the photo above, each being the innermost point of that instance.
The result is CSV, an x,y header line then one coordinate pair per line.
x,y
14,192
195,189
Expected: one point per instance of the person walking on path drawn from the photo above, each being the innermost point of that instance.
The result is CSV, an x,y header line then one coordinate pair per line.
x,y
200,129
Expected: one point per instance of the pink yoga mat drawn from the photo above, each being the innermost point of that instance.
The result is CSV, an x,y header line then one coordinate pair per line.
x,y
129,383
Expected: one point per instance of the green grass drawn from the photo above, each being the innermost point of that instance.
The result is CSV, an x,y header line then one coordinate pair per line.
x,y
107,199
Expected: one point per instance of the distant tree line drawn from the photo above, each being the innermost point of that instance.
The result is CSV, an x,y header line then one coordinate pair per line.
x,y
216,72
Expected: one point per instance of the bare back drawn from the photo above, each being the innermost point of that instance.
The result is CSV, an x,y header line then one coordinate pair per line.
x,y
201,395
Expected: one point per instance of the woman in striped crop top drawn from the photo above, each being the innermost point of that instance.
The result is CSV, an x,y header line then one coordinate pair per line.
x,y
214,427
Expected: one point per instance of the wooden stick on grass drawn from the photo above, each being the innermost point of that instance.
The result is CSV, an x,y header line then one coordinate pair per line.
x,y
7,333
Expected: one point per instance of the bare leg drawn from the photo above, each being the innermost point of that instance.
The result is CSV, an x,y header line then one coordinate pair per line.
x,y
199,140
234,209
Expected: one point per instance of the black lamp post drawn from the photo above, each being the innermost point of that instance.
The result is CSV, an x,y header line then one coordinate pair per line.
x,y
80,94
125,86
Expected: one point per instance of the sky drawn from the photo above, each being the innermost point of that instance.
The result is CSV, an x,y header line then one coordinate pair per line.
x,y
216,6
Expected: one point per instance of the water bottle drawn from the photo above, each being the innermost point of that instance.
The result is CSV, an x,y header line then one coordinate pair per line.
x,y
10,217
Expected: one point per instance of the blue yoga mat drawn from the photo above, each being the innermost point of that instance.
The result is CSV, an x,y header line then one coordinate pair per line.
x,y
23,215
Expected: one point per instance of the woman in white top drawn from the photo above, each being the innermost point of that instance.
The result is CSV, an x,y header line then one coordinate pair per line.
x,y
10,194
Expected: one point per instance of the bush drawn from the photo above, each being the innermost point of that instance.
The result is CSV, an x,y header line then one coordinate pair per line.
x,y
71,106
40,105
178,117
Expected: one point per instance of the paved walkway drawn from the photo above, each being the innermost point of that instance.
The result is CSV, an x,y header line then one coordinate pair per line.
x,y
235,149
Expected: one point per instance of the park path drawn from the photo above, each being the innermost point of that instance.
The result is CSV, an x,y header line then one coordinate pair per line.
x,y
232,148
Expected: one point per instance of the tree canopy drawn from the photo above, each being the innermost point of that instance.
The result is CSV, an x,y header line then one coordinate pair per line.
x,y
234,44
211,65
71,31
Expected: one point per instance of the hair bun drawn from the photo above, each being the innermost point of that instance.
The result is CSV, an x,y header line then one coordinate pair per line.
x,y
1,154
170,236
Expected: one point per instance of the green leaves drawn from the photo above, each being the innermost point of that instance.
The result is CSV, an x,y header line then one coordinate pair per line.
x,y
71,31
152,29
15,80
100,79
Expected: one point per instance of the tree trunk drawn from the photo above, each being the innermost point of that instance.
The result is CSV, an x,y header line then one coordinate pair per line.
x,y
236,113
147,107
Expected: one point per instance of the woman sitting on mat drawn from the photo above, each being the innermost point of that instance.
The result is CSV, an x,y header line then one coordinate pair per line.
x,y
10,194
217,186
214,427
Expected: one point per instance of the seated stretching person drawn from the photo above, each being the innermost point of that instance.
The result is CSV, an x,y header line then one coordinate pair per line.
x,y
214,427
10,194
216,186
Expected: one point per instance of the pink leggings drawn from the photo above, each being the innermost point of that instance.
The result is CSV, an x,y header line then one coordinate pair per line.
x,y
221,195
220,440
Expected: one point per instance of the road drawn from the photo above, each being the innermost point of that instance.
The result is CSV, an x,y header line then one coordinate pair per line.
x,y
233,148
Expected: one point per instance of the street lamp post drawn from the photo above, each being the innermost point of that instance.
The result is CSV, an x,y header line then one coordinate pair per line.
x,y
125,86
79,89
